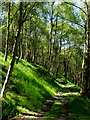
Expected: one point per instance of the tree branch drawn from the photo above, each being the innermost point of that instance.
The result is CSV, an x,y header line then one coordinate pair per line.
x,y
14,15
76,6
29,12
73,22
25,9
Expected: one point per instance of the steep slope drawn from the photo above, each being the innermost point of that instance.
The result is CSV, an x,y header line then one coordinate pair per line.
x,y
29,86
33,92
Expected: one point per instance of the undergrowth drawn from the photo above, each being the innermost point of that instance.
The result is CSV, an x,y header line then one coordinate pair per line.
x,y
29,86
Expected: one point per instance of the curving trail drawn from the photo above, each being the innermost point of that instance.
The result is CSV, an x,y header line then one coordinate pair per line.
x,y
53,109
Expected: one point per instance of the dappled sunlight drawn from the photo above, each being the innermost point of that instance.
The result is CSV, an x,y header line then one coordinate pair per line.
x,y
26,111
68,94
44,60
34,84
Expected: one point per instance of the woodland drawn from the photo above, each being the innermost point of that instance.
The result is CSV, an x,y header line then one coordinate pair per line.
x,y
45,60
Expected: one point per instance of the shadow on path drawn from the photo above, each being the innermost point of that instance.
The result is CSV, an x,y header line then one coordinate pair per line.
x,y
53,109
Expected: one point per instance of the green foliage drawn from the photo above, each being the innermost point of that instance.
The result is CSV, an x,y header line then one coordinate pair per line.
x,y
9,107
80,108
55,111
29,85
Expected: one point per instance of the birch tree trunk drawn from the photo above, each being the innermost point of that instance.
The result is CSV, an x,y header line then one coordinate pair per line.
x,y
60,43
55,49
86,58
26,43
7,35
50,42
21,46
14,49
18,53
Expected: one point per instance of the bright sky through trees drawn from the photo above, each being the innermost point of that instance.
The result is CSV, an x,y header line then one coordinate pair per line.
x,y
45,50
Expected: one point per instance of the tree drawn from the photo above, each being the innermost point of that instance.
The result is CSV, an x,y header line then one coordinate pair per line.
x,y
7,35
50,38
20,23
50,42
86,57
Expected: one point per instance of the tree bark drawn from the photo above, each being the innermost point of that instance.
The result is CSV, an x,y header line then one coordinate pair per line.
x,y
58,65
65,71
42,55
21,46
50,41
55,49
86,57
18,53
26,44
29,51
7,35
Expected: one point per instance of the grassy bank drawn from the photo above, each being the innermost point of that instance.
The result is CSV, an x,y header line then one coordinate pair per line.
x,y
31,85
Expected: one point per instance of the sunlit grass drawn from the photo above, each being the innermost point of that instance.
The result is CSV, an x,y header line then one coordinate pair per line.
x,y
29,87
24,110
70,94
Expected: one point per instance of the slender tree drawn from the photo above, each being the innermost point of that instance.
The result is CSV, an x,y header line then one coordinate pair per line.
x,y
55,47
21,20
14,49
50,42
8,32
86,57
60,47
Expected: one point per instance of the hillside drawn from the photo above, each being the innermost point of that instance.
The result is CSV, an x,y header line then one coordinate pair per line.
x,y
32,86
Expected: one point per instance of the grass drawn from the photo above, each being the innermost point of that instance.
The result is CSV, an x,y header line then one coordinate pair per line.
x,y
55,111
80,108
31,85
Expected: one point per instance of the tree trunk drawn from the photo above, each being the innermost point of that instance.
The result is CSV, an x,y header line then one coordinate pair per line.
x,y
29,44
26,43
55,49
21,46
7,35
14,49
58,65
35,37
86,57
50,42
42,55
18,54
65,65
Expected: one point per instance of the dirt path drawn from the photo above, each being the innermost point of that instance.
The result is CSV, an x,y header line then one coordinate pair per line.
x,y
51,109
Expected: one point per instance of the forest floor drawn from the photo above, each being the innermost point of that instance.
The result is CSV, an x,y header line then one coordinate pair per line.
x,y
33,93
57,108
